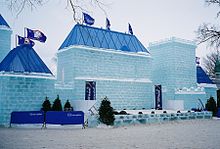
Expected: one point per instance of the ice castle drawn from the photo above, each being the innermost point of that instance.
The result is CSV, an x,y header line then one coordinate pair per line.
x,y
94,63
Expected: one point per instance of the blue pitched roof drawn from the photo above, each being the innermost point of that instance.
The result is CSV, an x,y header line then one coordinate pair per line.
x,y
23,58
102,38
202,77
3,22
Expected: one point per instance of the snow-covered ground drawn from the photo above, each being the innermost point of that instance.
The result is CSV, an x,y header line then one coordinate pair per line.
x,y
197,134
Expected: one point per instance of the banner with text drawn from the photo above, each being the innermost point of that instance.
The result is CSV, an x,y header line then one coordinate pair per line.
x,y
90,90
58,117
27,117
158,97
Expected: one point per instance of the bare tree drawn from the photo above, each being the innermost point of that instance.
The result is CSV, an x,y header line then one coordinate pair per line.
x,y
214,2
19,5
210,33
209,63
77,6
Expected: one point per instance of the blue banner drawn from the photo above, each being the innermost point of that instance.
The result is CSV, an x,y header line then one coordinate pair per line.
x,y
108,24
158,97
59,117
90,90
25,40
88,19
27,117
130,29
36,35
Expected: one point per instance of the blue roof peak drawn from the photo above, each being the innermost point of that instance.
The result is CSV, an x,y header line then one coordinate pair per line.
x,y
102,38
202,77
22,59
3,22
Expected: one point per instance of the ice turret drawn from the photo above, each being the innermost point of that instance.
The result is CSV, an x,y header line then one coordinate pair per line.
x,y
23,59
5,38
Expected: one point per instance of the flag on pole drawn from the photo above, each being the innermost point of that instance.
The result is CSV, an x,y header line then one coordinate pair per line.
x,y
108,24
88,19
36,35
198,60
25,40
130,29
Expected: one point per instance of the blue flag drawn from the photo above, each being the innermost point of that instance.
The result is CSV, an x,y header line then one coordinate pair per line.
x,y
36,35
130,29
25,40
108,24
88,19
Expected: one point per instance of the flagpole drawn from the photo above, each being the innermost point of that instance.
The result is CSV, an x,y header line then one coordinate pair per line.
x,y
24,31
16,36
82,19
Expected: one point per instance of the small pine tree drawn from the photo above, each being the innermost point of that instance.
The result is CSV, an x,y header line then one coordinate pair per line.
x,y
67,106
46,106
106,112
211,106
57,106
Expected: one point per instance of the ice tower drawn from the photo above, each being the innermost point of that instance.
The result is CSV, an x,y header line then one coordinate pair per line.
x,y
24,82
5,38
175,69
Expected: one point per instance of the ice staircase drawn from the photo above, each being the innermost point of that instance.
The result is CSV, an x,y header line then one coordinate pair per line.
x,y
91,111
203,107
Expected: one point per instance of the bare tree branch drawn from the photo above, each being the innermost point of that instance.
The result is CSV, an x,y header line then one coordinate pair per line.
x,y
209,2
77,6
209,63
209,34
100,5
19,5
215,2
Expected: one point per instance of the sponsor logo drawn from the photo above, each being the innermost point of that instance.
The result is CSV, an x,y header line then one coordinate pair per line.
x,y
73,115
35,114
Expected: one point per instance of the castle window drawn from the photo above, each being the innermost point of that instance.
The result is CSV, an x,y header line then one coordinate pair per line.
x,y
90,90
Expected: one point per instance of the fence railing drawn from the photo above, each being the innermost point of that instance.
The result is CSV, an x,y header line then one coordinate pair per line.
x,y
50,117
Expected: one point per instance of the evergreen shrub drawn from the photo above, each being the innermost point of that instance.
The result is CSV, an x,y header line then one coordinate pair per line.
x,y
106,112
211,106
57,106
67,106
